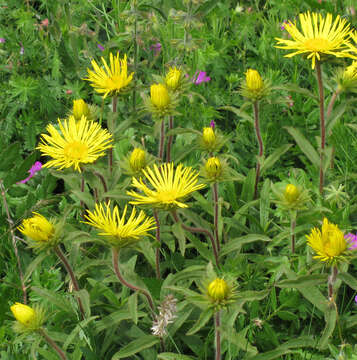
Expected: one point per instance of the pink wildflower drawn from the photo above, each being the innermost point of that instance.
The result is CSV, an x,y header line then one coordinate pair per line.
x,y
37,166
45,22
156,48
201,77
352,240
100,47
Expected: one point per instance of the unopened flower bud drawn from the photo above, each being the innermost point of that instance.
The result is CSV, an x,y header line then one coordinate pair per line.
x,y
159,96
208,137
213,168
23,313
137,160
173,78
38,228
80,108
253,80
291,193
218,290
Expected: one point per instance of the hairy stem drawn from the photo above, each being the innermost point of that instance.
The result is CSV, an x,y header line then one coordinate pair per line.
x,y
55,347
14,243
216,214
70,272
260,143
157,250
322,124
160,154
170,139
110,151
198,230
329,111
217,318
292,233
115,260
331,281
102,180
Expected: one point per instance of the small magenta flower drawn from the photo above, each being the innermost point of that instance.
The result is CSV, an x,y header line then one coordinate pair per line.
x,y
37,166
352,241
356,299
156,48
212,124
2,40
201,77
100,47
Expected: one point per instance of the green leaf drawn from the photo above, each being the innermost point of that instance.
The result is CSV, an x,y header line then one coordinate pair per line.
x,y
248,186
58,300
180,236
304,281
348,279
238,112
304,145
202,321
73,336
33,265
330,318
297,89
136,346
265,204
274,157
237,243
10,156
173,356
133,307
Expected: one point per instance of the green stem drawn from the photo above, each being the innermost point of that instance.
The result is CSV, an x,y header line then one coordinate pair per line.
x,y
331,281
170,139
218,335
322,124
115,260
260,143
160,154
157,250
55,347
70,272
198,230
216,214
110,151
328,114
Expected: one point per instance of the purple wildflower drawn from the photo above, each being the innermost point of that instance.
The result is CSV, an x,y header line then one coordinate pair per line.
x,y
156,48
282,27
212,124
2,40
37,166
356,299
100,47
352,241
201,77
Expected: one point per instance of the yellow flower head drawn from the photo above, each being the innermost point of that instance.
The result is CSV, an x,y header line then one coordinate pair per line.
x,y
159,96
173,77
37,228
253,80
329,244
291,193
110,80
137,160
75,144
170,187
23,313
208,137
318,36
218,290
118,231
213,168
80,108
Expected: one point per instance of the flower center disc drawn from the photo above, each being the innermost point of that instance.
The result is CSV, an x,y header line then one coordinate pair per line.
x,y
76,150
167,197
318,44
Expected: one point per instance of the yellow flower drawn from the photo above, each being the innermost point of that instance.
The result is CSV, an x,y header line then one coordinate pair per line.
x,y
319,36
173,77
110,80
37,228
218,290
329,244
253,80
137,160
159,96
80,108
291,193
208,138
119,232
23,313
213,167
170,187
76,143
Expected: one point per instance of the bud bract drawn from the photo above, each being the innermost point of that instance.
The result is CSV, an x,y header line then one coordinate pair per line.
x,y
159,96
254,80
291,193
173,77
80,108
209,137
137,160
218,290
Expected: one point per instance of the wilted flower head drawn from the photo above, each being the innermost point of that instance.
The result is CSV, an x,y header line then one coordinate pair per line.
x,y
328,243
166,316
29,319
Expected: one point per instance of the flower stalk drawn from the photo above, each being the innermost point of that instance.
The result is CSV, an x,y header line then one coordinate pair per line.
x,y
331,281
322,124
198,230
157,250
217,320
170,140
216,214
71,274
160,154
55,347
260,143
115,260
110,151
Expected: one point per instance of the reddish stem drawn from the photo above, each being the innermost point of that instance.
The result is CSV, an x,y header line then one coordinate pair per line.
x,y
157,250
169,141
261,147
